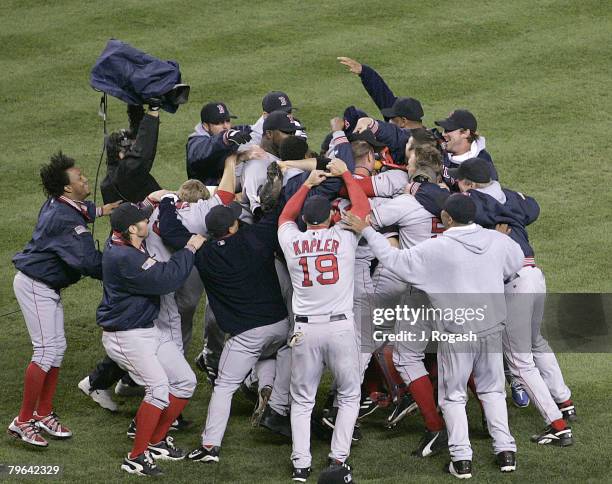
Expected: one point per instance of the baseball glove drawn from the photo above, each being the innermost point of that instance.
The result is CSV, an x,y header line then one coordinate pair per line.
x,y
269,192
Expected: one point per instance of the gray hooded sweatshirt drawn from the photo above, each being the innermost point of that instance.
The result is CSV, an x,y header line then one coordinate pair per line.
x,y
462,271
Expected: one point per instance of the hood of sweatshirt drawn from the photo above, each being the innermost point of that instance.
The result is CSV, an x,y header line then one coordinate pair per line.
x,y
199,131
494,190
473,237
476,147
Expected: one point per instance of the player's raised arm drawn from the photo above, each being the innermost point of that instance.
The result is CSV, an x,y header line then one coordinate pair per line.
x,y
227,185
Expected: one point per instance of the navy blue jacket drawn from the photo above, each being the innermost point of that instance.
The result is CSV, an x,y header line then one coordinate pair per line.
x,y
517,211
377,88
394,137
133,282
238,271
61,249
451,182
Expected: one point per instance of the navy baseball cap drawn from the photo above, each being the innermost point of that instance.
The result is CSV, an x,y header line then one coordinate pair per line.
x,y
368,137
282,121
215,113
459,119
461,208
276,101
406,107
474,169
125,215
221,218
316,210
351,116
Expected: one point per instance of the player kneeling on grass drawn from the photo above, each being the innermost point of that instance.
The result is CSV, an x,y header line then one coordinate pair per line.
x,y
61,251
133,283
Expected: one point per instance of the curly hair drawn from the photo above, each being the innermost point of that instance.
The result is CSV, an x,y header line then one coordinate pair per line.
x,y
54,175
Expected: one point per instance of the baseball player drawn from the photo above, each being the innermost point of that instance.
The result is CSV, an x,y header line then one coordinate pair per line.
x,y
462,141
274,101
133,283
212,141
321,263
463,268
528,355
416,225
60,252
254,315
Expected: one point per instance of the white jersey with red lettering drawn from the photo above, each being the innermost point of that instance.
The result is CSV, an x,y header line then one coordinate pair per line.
x,y
415,223
321,264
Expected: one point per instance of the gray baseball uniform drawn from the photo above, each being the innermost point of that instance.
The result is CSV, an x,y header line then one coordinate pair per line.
x,y
321,264
463,268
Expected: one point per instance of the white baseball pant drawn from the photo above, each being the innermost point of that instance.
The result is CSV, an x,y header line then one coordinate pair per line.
x,y
483,358
239,355
320,343
529,357
159,366
43,312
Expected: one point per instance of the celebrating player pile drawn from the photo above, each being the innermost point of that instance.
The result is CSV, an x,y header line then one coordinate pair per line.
x,y
296,251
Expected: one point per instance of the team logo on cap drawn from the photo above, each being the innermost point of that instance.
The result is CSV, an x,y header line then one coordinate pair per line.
x,y
282,100
221,108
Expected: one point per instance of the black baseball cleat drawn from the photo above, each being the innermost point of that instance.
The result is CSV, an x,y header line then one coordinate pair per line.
x,y
275,422
336,471
431,443
143,465
562,438
357,435
461,469
405,406
367,406
569,412
207,367
301,474
506,461
166,450
329,417
205,454
180,424
131,431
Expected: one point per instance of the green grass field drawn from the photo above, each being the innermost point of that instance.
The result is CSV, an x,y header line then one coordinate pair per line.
x,y
536,74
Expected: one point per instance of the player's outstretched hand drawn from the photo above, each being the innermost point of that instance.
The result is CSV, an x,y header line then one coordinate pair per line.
x,y
354,223
109,207
363,124
196,241
354,66
315,178
336,167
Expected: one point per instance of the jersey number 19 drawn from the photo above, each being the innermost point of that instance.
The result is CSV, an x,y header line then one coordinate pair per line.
x,y
327,267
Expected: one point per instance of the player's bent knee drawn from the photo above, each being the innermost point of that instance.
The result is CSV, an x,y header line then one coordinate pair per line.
x,y
44,356
185,387
158,395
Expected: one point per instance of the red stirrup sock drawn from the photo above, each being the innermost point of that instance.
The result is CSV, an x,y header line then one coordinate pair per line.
x,y
45,402
32,388
169,415
422,392
146,421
